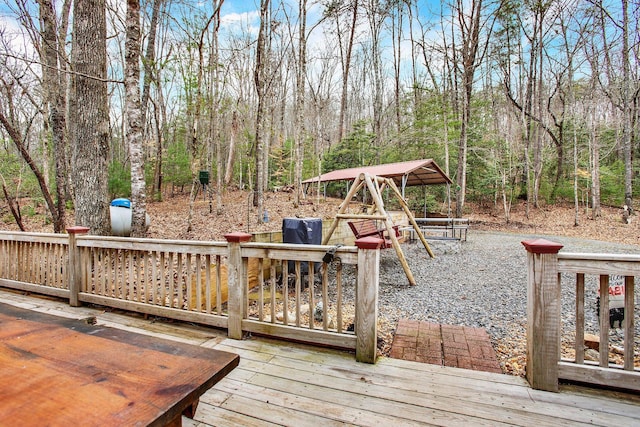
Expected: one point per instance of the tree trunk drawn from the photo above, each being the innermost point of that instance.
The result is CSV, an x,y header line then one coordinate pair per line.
x,y
376,17
228,173
345,71
54,88
15,136
396,29
470,32
300,94
215,116
595,168
537,156
159,119
627,124
149,60
149,67
91,137
196,109
133,120
576,199
261,114
14,206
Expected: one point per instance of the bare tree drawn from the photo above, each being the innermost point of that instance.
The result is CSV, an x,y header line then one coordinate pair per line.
x,y
216,138
376,13
301,76
91,128
623,91
8,122
149,69
335,10
627,105
54,88
233,134
260,79
133,115
469,24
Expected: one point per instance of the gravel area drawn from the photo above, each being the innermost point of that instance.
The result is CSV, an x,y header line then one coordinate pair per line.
x,y
482,283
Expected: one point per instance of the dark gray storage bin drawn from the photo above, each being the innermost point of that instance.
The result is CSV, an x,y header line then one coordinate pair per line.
x,y
305,231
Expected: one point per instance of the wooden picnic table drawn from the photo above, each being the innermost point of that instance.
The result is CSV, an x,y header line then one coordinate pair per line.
x,y
456,227
62,372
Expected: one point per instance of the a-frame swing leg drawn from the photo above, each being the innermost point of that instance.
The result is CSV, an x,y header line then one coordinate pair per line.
x,y
377,198
412,220
357,185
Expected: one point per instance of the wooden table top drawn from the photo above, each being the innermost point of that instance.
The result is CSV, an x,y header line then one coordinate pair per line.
x,y
58,371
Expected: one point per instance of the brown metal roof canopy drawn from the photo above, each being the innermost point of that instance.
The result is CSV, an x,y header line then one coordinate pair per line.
x,y
404,174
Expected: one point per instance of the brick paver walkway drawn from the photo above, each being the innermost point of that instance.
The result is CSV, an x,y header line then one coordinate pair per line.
x,y
457,346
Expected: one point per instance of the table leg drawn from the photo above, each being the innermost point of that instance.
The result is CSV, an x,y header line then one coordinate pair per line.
x,y
189,412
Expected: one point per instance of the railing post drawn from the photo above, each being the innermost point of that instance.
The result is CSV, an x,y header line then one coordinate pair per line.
x,y
75,266
366,321
543,314
237,282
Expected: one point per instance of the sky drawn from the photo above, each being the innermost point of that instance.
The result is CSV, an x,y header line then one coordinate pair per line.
x,y
236,15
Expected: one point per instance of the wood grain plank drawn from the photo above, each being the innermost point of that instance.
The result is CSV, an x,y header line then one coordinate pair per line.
x,y
343,407
97,375
218,416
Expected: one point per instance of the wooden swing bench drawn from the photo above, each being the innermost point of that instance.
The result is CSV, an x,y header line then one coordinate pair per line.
x,y
368,227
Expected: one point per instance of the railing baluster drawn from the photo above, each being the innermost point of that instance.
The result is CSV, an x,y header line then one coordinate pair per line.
x,y
207,278
161,280
604,320
629,319
111,267
148,277
131,282
37,262
312,304
219,285
579,345
285,292
41,263
182,260
339,297
298,280
198,283
173,276
103,271
187,285
272,281
261,289
325,296
154,281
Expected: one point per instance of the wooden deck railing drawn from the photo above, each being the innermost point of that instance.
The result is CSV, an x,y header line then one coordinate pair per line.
x,y
280,290
31,261
550,275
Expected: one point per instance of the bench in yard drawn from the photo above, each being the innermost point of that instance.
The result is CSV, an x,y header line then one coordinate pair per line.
x,y
447,227
368,227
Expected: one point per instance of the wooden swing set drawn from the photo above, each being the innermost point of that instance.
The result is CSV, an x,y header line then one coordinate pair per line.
x,y
364,224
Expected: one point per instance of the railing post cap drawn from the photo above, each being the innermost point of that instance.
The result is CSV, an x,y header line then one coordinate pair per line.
x,y
369,243
542,246
77,229
238,237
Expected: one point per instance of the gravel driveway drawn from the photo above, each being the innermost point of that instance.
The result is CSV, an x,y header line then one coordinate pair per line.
x,y
483,284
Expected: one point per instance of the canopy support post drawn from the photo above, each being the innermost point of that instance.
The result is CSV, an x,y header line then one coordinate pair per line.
x,y
405,177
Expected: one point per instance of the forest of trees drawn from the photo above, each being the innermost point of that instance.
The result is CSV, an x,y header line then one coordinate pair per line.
x,y
537,100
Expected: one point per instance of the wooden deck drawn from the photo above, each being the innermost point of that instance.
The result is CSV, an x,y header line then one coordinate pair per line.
x,y
279,383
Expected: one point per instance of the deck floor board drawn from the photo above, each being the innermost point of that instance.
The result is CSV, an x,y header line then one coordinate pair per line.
x,y
281,383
